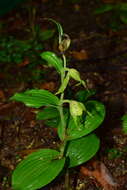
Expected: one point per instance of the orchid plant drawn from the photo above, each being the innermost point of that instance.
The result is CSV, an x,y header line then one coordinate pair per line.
x,y
76,120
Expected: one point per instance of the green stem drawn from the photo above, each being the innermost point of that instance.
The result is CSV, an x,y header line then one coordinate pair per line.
x,y
63,123
62,114
64,60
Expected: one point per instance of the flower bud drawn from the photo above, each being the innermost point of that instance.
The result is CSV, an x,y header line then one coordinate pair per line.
x,y
75,74
76,108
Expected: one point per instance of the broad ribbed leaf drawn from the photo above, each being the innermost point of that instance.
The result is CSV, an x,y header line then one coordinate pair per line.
x,y
52,60
52,122
55,122
83,95
37,170
36,98
47,113
82,149
104,8
87,123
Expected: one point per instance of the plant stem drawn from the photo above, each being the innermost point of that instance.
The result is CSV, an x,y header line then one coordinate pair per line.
x,y
64,60
67,181
63,123
32,17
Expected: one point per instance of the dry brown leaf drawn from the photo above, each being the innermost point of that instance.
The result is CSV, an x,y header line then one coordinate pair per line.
x,y
76,7
48,86
24,63
101,174
79,55
2,96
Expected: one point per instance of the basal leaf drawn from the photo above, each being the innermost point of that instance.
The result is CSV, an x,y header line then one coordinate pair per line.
x,y
36,98
82,149
53,60
87,123
37,170
54,122
47,113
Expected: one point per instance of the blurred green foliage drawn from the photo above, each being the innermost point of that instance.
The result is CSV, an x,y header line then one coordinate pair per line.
x,y
14,52
118,17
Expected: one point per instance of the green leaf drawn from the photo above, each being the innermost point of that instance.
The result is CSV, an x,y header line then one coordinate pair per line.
x,y
104,8
74,74
123,16
53,122
53,60
59,28
36,98
37,170
64,84
47,113
124,123
82,149
83,95
87,123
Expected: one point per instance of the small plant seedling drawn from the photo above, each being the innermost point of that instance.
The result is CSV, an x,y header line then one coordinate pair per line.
x,y
119,14
75,121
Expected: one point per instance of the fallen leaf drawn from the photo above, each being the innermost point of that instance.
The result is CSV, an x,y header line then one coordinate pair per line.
x,y
76,7
2,96
79,55
101,174
51,86
24,63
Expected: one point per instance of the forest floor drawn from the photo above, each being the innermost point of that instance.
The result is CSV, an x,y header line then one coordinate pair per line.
x,y
100,54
